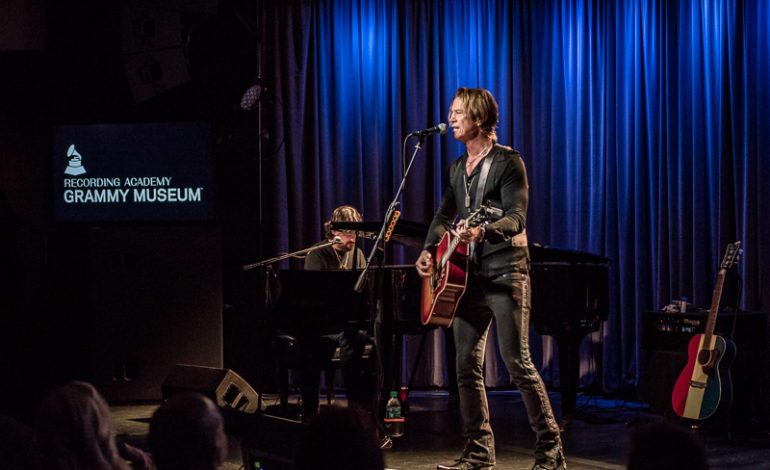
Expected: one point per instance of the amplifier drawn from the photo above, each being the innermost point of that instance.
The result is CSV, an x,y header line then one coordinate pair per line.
x,y
662,331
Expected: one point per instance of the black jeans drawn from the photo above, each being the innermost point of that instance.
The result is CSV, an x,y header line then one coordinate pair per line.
x,y
505,298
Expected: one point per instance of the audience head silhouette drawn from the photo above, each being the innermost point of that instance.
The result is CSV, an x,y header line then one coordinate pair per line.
x,y
664,446
340,438
187,432
74,430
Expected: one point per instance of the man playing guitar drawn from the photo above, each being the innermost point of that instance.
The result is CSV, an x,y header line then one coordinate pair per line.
x,y
498,280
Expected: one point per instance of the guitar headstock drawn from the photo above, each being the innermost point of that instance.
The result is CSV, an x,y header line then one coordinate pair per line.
x,y
476,217
732,255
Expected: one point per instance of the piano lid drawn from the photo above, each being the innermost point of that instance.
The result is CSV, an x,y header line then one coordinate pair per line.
x,y
406,232
540,254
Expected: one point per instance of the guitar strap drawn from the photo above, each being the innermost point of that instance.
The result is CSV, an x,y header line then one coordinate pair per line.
x,y
478,200
485,165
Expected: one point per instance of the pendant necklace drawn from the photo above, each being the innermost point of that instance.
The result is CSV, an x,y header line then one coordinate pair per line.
x,y
341,259
468,183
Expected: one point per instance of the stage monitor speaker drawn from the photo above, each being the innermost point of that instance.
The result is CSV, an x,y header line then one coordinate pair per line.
x,y
224,386
271,443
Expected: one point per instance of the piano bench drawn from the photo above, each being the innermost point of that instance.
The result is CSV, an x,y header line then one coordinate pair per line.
x,y
332,368
286,349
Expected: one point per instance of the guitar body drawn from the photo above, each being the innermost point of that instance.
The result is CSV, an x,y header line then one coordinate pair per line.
x,y
442,291
705,381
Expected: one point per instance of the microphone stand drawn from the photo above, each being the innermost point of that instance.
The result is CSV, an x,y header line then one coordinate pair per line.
x,y
379,245
288,255
380,240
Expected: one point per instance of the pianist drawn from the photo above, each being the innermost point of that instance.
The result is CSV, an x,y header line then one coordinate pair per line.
x,y
359,374
498,280
342,255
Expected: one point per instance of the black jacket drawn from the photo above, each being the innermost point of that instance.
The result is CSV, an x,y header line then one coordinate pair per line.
x,y
505,246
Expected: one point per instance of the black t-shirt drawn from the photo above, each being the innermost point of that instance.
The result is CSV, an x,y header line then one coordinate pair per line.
x,y
327,258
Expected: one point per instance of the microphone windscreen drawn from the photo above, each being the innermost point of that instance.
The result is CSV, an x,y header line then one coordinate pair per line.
x,y
442,127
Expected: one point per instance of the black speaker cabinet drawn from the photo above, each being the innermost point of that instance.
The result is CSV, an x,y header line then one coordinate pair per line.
x,y
659,371
271,443
224,386
664,354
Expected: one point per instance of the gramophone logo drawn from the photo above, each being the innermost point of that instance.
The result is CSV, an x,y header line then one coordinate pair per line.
x,y
74,162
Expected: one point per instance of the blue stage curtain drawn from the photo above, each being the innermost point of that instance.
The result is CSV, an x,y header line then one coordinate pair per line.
x,y
642,124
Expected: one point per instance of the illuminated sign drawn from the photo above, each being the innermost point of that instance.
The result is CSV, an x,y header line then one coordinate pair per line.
x,y
133,172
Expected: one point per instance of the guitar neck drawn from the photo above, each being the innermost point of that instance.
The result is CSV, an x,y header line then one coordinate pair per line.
x,y
716,298
471,221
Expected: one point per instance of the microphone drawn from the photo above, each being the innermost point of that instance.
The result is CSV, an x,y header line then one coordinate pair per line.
x,y
336,240
438,129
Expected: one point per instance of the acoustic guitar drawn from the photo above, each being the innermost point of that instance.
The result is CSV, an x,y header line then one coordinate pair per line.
x,y
443,289
705,381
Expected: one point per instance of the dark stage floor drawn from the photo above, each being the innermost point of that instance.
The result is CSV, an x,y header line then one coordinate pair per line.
x,y
596,440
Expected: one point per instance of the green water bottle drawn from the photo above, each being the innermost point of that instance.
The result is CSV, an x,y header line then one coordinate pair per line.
x,y
394,419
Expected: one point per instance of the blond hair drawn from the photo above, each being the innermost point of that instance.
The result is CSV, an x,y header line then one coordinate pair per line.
x,y
481,108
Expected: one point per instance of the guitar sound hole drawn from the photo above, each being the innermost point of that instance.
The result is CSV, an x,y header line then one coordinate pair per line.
x,y
704,356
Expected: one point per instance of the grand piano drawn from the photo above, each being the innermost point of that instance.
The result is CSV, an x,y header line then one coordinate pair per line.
x,y
569,300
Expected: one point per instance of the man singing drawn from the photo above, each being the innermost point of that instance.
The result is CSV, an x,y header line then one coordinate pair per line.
x,y
498,280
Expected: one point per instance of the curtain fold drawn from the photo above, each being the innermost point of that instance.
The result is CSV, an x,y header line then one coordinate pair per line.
x,y
641,123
